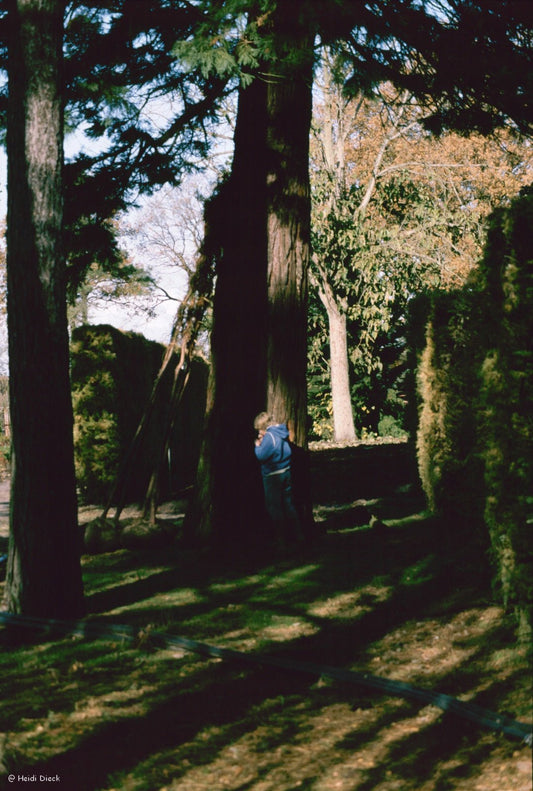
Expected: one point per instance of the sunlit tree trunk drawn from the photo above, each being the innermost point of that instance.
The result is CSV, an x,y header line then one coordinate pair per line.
x,y
343,422
43,573
289,108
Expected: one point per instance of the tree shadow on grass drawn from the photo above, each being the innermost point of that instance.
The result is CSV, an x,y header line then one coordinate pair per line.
x,y
220,697
351,558
416,758
196,727
189,715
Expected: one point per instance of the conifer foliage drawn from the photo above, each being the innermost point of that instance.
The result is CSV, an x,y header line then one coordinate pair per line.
x,y
475,432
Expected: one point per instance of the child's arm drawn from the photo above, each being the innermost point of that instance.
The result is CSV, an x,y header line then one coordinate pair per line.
x,y
264,447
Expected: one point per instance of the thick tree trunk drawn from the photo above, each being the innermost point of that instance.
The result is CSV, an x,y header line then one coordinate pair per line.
x,y
226,505
260,220
289,107
43,574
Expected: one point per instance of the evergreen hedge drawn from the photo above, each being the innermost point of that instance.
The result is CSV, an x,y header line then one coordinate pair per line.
x,y
476,407
112,375
450,466
505,407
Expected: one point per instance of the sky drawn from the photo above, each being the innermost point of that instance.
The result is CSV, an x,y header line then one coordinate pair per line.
x,y
157,328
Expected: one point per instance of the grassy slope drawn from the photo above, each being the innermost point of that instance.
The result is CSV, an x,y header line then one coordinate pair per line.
x,y
106,714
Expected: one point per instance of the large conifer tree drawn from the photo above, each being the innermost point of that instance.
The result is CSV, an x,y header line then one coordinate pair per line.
x,y
260,233
43,573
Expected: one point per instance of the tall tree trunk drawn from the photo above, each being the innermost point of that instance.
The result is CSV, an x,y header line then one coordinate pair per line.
x,y
289,109
43,573
226,501
343,423
260,221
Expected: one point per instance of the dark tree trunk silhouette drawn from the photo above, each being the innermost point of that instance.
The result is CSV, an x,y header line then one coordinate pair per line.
x,y
259,236
43,571
226,502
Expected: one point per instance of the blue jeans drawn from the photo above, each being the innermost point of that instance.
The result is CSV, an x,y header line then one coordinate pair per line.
x,y
280,505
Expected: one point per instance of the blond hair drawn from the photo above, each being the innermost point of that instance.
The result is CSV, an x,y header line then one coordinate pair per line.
x,y
262,421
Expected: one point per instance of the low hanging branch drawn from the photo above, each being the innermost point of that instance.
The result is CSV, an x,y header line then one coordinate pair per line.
x,y
187,326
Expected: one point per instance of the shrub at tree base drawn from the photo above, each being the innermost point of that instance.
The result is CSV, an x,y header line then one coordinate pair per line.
x,y
475,425
112,374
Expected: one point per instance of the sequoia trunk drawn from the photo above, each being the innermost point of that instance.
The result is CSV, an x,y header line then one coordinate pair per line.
x,y
43,573
289,107
260,221
226,505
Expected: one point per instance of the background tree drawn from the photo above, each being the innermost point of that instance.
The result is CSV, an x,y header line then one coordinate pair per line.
x,y
100,272
166,235
396,211
349,269
3,304
170,229
125,286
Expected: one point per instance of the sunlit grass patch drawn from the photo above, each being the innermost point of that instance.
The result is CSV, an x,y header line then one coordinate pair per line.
x,y
352,604
164,602
277,627
221,587
290,577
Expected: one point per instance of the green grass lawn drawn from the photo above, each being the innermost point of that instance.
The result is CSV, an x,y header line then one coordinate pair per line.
x,y
132,714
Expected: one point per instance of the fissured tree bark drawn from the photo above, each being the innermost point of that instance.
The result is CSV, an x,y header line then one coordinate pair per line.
x,y
43,571
289,110
258,233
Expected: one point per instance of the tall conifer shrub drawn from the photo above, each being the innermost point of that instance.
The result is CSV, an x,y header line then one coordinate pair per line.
x,y
475,426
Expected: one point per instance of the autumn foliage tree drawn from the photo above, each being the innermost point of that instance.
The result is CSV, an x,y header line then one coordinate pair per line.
x,y
396,211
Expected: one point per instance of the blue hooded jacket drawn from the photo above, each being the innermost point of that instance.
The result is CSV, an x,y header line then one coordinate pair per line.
x,y
274,452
